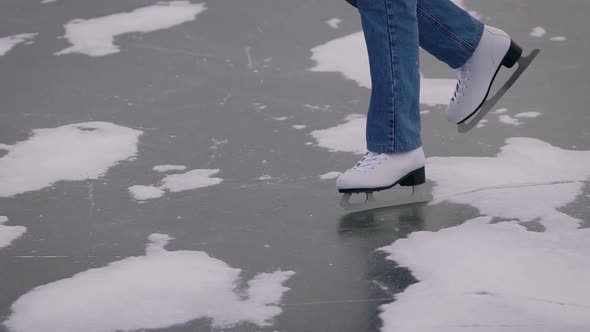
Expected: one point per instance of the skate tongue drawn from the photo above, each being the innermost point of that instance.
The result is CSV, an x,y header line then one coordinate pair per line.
x,y
368,161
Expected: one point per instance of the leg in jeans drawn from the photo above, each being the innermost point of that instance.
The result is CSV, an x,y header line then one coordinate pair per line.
x,y
394,30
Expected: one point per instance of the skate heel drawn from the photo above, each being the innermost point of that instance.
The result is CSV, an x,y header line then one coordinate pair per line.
x,y
513,55
415,178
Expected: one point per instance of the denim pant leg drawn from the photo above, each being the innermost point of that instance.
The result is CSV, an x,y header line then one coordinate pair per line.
x,y
393,31
391,34
448,32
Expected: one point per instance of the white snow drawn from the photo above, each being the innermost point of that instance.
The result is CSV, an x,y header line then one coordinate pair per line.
x,y
558,38
95,37
334,23
194,179
281,118
330,175
507,119
168,168
158,290
538,32
500,111
265,177
528,115
197,178
9,233
346,137
482,123
299,127
8,43
492,277
73,152
348,56
47,1
142,193
528,180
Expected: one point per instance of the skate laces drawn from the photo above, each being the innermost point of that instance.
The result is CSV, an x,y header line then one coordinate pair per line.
x,y
464,74
369,161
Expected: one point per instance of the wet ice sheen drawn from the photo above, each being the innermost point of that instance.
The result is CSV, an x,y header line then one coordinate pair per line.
x,y
72,152
95,37
158,290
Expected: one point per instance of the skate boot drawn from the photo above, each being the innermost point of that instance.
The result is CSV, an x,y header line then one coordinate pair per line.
x,y
475,77
381,171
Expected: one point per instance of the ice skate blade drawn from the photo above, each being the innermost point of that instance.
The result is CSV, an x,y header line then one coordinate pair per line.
x,y
488,104
419,195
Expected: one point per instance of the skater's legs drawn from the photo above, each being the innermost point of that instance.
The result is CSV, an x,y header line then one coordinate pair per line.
x,y
391,34
446,31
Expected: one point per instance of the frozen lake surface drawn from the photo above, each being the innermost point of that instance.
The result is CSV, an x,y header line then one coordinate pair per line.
x,y
170,166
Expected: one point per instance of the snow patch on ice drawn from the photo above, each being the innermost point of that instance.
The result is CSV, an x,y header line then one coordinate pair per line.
x,y
500,111
330,175
481,276
47,1
8,43
95,37
142,193
348,56
281,118
538,32
72,152
334,23
482,123
507,119
299,127
9,233
528,115
195,179
158,290
558,38
168,168
528,180
346,137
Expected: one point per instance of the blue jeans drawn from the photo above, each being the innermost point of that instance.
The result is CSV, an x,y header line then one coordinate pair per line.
x,y
394,30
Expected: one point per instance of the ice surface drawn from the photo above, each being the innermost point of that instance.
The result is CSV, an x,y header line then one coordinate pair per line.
x,y
158,290
72,152
334,23
7,43
348,56
95,37
538,32
194,179
9,233
167,168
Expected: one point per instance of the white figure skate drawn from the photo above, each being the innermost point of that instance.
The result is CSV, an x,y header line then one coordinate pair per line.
x,y
495,49
377,172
